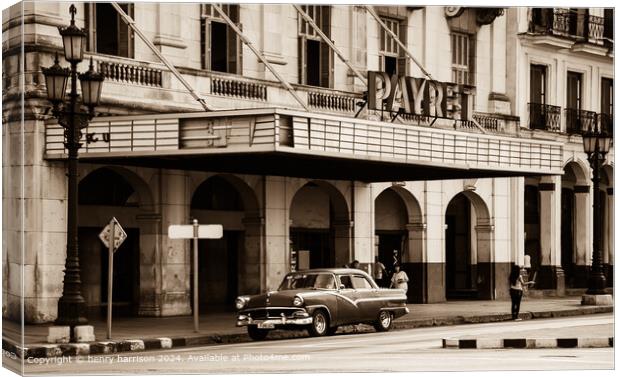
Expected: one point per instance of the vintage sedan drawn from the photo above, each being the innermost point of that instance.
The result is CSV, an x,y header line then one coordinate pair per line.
x,y
320,300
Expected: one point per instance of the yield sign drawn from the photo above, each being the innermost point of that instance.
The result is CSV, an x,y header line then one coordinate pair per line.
x,y
119,234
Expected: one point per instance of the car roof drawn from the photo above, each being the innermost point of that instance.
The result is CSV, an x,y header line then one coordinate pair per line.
x,y
333,270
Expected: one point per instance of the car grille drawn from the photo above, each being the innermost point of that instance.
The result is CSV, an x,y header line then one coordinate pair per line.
x,y
266,313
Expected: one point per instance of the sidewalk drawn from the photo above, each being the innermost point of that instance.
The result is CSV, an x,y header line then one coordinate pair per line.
x,y
134,334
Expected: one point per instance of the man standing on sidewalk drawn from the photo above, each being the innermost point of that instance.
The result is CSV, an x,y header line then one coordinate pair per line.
x,y
379,272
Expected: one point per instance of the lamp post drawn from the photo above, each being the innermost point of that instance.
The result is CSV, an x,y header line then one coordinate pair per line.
x,y
596,144
72,117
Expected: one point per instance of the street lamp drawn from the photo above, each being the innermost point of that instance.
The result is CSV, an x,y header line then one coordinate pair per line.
x,y
596,144
72,117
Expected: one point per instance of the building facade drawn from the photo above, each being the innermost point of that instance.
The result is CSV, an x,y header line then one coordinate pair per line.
x,y
453,175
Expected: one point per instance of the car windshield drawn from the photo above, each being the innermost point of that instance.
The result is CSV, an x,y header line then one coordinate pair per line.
x,y
307,281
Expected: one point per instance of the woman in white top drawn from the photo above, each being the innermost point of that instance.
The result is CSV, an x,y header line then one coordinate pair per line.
x,y
399,279
516,290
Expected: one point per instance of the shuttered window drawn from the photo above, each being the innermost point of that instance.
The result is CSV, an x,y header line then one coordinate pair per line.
x,y
316,62
392,59
220,46
462,58
107,33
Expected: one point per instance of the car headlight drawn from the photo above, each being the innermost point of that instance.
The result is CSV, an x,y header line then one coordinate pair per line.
x,y
298,301
241,302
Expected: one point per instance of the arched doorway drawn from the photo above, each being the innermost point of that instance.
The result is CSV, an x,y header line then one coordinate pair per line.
x,y
575,212
103,194
391,220
468,232
319,226
229,266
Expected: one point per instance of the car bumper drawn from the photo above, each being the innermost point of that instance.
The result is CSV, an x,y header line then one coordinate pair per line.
x,y
273,322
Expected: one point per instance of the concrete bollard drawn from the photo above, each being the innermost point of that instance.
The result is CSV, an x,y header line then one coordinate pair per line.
x,y
84,333
58,334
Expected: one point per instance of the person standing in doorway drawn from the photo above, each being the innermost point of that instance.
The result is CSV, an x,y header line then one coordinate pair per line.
x,y
379,272
399,279
516,291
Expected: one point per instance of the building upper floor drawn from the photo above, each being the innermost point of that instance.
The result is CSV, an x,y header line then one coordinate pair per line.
x,y
561,68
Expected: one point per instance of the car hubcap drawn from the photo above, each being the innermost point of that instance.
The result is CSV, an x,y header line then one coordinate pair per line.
x,y
385,319
319,323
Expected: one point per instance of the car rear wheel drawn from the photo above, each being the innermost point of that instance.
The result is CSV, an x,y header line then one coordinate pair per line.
x,y
320,323
257,334
384,321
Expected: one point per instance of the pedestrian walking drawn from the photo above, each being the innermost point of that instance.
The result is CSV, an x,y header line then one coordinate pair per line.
x,y
399,279
379,272
516,291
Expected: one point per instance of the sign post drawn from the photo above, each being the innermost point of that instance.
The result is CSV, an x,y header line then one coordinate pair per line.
x,y
195,232
112,236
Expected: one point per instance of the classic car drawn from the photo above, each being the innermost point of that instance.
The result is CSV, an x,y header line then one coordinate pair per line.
x,y
320,300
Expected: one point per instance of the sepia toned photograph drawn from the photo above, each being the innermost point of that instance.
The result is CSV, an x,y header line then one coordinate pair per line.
x,y
285,188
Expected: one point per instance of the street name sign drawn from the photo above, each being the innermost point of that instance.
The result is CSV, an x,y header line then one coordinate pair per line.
x,y
194,232
214,231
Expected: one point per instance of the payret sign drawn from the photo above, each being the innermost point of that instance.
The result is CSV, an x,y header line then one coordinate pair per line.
x,y
412,95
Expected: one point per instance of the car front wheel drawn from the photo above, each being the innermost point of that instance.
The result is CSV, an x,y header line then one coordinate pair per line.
x,y
384,321
320,324
257,334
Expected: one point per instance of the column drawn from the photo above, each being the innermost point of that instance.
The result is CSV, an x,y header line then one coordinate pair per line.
x,y
150,260
435,262
485,266
342,245
550,275
250,266
363,226
175,253
414,263
582,251
277,249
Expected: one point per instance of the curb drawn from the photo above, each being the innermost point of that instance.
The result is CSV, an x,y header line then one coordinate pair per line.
x,y
15,351
494,343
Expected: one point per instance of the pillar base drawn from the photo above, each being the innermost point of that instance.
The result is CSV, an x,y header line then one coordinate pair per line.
x,y
597,300
551,277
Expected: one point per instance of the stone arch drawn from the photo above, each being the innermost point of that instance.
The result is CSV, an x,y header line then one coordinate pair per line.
x,y
412,232
575,204
229,266
113,191
319,222
470,268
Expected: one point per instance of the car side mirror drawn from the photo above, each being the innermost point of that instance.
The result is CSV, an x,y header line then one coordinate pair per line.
x,y
341,286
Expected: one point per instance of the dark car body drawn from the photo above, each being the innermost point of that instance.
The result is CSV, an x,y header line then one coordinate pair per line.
x,y
344,295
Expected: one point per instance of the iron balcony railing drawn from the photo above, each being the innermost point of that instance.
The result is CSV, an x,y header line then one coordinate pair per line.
x,y
569,23
544,117
579,121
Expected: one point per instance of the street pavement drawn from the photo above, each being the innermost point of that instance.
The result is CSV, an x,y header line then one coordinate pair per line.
x,y
403,350
219,321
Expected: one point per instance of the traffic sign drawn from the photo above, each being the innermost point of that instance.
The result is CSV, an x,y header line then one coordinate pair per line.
x,y
119,234
213,231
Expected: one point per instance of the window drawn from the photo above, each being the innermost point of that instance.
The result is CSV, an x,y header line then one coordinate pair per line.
x,y
538,84
393,61
107,33
315,57
360,282
462,58
607,104
220,45
573,102
345,282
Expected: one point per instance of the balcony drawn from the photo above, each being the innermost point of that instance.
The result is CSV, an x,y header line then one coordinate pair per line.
x,y
566,28
544,117
579,121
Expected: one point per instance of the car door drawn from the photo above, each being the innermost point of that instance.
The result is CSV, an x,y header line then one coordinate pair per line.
x,y
347,307
367,298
